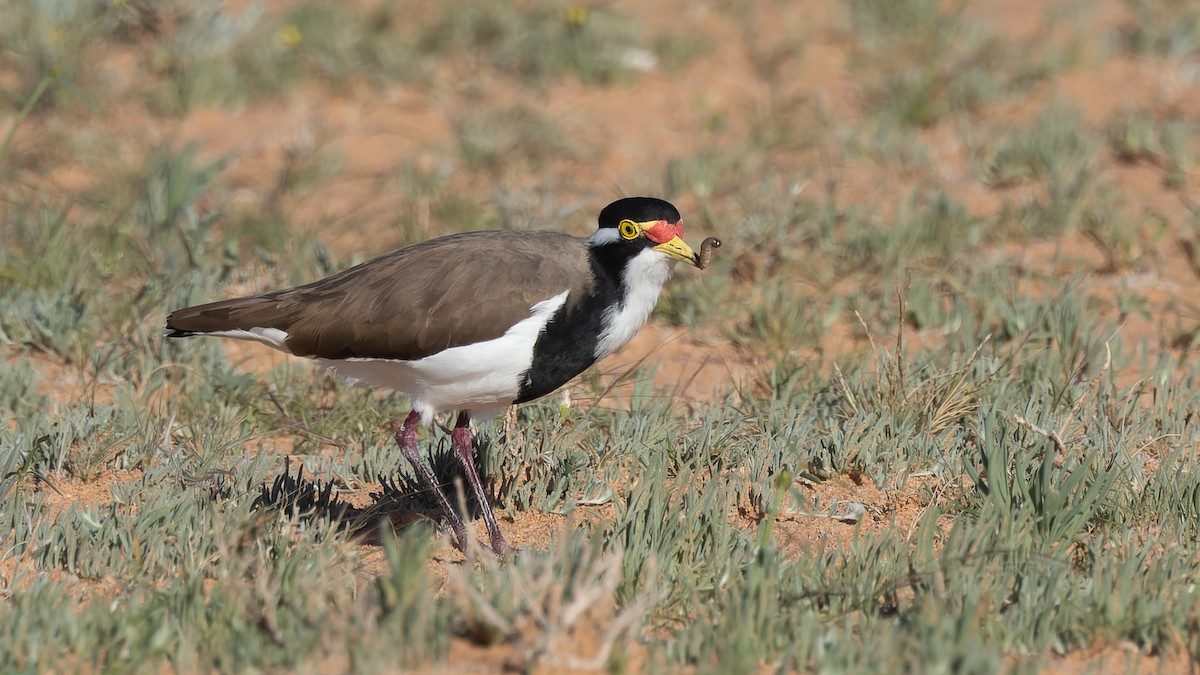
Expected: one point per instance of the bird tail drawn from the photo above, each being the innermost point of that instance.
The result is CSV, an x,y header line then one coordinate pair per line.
x,y
254,313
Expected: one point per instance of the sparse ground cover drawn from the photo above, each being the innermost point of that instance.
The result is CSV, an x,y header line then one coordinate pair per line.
x,y
933,408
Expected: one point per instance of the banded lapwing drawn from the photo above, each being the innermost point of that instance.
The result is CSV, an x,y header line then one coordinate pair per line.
x,y
470,322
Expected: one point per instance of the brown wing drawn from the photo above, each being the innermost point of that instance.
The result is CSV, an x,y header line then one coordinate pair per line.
x,y
413,302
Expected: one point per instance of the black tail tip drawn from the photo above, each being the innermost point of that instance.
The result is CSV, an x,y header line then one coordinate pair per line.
x,y
176,333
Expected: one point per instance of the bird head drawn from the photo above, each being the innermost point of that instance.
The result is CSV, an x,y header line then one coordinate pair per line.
x,y
637,223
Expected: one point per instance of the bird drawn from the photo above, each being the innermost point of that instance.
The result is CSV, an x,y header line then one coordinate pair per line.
x,y
471,322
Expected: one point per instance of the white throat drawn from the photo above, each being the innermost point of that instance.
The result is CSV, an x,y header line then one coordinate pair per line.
x,y
643,278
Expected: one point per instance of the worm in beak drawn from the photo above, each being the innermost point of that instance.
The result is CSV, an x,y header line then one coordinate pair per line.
x,y
706,251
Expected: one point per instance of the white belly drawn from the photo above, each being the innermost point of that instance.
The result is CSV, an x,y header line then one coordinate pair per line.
x,y
481,378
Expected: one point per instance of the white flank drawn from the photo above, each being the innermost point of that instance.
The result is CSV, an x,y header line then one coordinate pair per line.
x,y
644,277
481,378
268,336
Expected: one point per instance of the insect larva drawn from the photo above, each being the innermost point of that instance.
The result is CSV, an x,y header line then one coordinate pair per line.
x,y
706,251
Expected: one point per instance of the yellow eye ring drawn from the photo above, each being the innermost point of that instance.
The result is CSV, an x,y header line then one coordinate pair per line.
x,y
627,229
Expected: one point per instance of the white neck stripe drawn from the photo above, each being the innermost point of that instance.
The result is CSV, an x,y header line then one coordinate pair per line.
x,y
603,236
643,279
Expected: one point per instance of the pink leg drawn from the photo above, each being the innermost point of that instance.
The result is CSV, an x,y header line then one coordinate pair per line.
x,y
406,438
461,437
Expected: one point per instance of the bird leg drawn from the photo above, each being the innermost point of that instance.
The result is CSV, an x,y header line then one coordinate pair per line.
x,y
464,448
406,438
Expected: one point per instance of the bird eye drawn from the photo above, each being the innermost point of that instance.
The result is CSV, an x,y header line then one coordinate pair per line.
x,y
627,229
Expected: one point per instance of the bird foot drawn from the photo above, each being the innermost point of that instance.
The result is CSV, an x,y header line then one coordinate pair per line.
x,y
501,547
